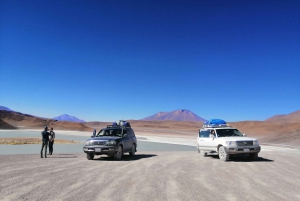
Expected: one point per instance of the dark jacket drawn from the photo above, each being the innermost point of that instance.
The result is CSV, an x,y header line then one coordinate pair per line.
x,y
45,136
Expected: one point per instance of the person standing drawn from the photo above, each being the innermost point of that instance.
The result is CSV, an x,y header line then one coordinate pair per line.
x,y
51,141
45,140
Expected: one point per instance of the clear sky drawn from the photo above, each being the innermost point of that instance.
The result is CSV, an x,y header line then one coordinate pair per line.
x,y
108,60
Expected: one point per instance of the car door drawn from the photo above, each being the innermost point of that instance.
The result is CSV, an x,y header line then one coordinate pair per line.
x,y
132,139
126,140
205,142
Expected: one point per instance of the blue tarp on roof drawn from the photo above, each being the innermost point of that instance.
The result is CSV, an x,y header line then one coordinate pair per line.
x,y
215,121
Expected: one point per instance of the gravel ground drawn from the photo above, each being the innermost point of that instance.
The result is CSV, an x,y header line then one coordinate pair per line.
x,y
177,175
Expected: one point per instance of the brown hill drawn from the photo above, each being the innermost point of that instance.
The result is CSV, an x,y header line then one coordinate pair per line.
x,y
4,125
271,132
293,117
27,121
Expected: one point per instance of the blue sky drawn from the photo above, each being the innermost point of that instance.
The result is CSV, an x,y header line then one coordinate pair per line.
x,y
109,60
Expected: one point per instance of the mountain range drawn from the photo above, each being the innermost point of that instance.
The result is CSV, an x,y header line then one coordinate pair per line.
x,y
176,115
66,117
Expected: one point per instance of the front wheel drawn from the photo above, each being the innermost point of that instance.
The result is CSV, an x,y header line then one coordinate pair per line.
x,y
132,153
118,155
223,155
90,156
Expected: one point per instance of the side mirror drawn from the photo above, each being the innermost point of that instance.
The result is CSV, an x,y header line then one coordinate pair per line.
x,y
244,135
125,135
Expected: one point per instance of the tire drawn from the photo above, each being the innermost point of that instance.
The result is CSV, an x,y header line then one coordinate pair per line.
x,y
203,153
90,156
118,155
132,153
223,155
253,156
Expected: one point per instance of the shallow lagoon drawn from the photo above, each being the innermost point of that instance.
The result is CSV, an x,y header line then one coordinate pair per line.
x,y
75,148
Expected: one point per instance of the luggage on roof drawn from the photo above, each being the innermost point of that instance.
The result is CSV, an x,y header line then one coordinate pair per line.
x,y
121,123
213,123
216,121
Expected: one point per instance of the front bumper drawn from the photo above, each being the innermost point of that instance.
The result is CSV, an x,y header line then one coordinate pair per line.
x,y
98,150
242,150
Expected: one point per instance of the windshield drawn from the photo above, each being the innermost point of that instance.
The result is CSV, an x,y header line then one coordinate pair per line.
x,y
110,132
228,132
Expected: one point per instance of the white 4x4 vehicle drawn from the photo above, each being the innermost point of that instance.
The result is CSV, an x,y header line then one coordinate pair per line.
x,y
225,142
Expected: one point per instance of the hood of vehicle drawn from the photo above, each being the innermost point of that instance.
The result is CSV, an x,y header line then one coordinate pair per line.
x,y
103,138
237,138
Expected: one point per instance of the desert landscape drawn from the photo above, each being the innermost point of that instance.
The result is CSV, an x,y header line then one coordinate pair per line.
x,y
176,173
281,130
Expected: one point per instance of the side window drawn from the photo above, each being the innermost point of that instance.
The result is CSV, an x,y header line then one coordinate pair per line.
x,y
129,132
204,134
132,133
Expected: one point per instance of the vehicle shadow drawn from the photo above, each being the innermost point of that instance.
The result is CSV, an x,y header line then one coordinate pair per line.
x,y
126,157
62,156
243,159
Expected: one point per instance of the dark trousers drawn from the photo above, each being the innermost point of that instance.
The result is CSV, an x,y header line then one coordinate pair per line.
x,y
44,144
51,146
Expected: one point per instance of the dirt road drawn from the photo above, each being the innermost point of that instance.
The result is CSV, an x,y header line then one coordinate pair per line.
x,y
151,176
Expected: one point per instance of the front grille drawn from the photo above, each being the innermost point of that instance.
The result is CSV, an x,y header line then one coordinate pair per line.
x,y
99,142
244,143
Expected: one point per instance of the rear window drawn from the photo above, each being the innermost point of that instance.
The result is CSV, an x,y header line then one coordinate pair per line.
x,y
204,133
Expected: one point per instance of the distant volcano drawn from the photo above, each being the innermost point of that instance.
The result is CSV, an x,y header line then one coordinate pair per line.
x,y
5,108
176,115
66,117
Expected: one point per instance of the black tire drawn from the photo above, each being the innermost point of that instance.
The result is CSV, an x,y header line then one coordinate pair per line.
x,y
132,153
203,153
253,156
222,154
118,155
90,156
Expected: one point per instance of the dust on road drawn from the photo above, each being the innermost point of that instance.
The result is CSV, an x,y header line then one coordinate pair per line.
x,y
150,176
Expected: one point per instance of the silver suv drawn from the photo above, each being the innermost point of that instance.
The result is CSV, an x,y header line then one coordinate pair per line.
x,y
113,141
226,141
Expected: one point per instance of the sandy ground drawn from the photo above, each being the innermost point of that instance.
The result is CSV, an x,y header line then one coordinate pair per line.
x,y
151,176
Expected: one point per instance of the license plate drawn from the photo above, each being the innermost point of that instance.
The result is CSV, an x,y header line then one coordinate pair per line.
x,y
246,150
97,149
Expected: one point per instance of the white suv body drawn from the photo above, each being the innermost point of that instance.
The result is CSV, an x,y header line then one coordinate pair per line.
x,y
227,141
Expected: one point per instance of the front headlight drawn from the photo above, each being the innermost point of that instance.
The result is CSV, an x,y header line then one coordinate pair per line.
x,y
231,143
255,142
87,142
110,143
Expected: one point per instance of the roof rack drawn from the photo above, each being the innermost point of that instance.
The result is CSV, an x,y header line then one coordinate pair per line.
x,y
215,125
117,126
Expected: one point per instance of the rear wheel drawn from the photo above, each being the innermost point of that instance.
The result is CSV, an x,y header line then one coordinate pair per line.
x,y
118,155
132,153
90,156
222,154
